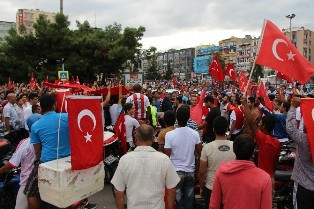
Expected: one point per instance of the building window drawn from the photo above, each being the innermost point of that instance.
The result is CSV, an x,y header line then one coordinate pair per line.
x,y
28,15
28,23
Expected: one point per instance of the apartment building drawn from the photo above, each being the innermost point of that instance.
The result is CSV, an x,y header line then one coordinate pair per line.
x,y
4,28
28,17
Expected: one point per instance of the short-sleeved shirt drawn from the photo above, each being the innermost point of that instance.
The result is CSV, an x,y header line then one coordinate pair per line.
x,y
212,114
9,111
144,174
162,134
130,123
45,132
268,151
182,143
214,153
32,119
24,155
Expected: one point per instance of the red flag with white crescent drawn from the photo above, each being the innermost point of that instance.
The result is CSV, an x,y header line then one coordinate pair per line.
x,y
231,71
307,110
32,81
86,129
242,81
279,53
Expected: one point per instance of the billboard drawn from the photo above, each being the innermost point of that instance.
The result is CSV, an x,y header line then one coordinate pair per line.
x,y
132,78
201,64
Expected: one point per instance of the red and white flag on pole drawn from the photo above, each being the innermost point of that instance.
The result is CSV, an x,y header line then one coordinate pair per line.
x,y
86,128
215,70
279,53
231,71
307,110
120,131
61,99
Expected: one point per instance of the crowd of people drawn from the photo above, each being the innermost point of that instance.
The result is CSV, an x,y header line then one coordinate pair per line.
x,y
208,135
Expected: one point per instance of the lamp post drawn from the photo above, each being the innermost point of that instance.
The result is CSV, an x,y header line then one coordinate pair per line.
x,y
290,17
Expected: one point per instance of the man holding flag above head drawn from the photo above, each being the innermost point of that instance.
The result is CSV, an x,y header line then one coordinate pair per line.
x,y
303,171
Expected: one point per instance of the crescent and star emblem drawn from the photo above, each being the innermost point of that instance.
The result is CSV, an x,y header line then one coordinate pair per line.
x,y
88,113
313,114
231,70
274,50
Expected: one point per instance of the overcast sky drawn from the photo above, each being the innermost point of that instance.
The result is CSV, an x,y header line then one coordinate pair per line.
x,y
177,23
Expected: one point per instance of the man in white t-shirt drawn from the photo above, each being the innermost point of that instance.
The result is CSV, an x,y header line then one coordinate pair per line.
x,y
214,153
33,100
139,101
180,146
130,123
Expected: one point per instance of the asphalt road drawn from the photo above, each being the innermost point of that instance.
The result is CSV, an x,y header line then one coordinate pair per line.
x,y
104,198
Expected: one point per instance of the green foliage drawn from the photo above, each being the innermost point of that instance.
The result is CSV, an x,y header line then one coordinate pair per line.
x,y
86,51
258,72
152,72
169,71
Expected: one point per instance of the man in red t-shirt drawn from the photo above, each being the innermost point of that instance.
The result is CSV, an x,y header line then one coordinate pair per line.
x,y
268,145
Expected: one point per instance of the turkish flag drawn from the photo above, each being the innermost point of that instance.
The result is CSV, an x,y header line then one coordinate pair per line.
x,y
307,110
61,101
263,93
242,81
279,53
284,77
86,128
32,82
216,71
120,131
231,71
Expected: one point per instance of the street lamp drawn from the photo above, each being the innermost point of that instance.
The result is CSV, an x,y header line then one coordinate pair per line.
x,y
290,17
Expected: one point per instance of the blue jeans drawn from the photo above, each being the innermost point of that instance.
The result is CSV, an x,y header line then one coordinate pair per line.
x,y
185,190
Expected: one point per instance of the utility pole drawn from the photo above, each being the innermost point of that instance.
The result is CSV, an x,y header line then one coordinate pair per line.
x,y
61,6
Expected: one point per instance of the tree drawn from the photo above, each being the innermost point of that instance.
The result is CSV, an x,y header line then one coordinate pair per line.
x,y
85,51
152,71
169,71
258,72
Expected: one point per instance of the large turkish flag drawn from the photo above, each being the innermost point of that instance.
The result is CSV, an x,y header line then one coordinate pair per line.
x,y
307,110
279,53
86,128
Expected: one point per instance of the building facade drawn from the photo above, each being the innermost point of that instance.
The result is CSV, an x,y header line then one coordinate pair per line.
x,y
28,17
228,49
303,39
180,61
4,28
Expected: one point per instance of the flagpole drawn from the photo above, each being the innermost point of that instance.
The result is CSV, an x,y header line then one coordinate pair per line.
x,y
257,52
